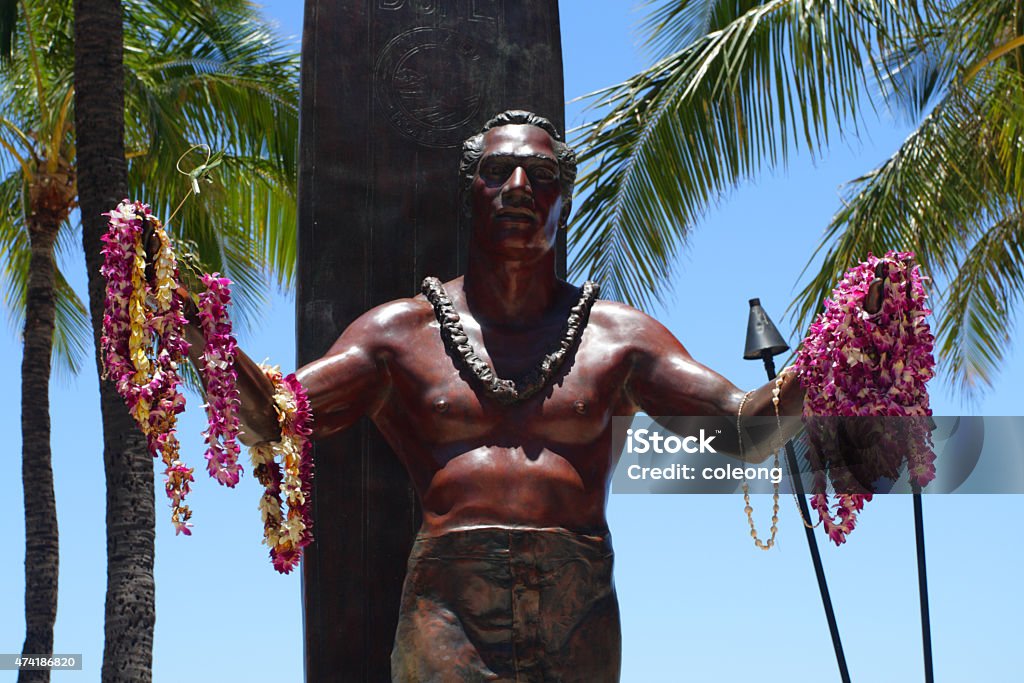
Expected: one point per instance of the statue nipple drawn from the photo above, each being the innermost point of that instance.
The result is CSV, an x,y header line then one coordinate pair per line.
x,y
580,406
441,405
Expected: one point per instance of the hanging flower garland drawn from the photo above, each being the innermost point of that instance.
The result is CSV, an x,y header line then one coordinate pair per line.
x,y
142,346
856,364
292,477
221,382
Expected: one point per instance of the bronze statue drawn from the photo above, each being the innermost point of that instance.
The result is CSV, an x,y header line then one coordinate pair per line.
x,y
496,391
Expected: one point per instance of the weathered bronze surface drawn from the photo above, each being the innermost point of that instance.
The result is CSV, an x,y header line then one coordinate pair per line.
x,y
389,90
529,468
532,605
498,480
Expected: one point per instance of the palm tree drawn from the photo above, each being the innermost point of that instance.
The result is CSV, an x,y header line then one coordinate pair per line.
x,y
44,178
738,85
102,182
194,71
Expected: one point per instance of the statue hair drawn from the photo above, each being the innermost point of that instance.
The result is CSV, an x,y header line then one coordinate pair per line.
x,y
473,149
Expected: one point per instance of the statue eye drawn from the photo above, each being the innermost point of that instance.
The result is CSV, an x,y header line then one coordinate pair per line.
x,y
543,174
496,171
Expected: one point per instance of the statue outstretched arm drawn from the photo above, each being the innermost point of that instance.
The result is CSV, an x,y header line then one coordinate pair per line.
x,y
665,381
347,383
352,378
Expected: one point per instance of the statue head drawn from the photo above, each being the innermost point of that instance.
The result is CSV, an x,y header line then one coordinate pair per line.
x,y
473,149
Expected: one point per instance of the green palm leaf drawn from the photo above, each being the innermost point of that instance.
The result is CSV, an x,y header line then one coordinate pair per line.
x,y
987,289
678,136
72,332
197,71
739,85
951,194
226,83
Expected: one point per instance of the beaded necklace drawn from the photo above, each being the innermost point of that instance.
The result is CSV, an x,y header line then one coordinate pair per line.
x,y
507,391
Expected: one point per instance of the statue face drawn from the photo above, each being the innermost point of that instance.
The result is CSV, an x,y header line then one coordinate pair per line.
x,y
516,195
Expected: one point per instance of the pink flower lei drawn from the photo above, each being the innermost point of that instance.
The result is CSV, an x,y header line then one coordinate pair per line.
x,y
142,346
855,364
293,476
142,342
221,382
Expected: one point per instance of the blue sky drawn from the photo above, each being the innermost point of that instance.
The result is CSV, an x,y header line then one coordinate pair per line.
x,y
699,602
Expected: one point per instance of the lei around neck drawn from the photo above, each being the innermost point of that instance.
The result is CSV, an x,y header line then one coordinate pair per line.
x,y
508,391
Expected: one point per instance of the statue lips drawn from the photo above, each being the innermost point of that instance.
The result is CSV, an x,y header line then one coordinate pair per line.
x,y
516,216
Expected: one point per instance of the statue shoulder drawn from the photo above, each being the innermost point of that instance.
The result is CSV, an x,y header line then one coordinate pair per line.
x,y
401,314
627,326
618,318
386,325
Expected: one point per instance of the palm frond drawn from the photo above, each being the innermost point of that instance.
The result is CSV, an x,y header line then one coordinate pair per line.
x,y
34,86
196,71
1003,113
222,79
672,24
925,198
742,84
14,246
233,227
917,71
980,305
72,332
952,194
676,137
945,39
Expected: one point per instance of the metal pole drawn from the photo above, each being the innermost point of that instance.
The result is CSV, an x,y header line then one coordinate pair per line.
x,y
922,586
812,545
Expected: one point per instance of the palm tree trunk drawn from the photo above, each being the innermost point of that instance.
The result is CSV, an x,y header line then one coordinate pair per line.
x,y
41,543
102,183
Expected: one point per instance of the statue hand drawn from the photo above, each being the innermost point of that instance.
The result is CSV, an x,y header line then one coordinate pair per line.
x,y
151,245
873,299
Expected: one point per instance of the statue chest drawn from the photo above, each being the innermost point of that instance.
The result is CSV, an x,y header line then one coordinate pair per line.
x,y
444,404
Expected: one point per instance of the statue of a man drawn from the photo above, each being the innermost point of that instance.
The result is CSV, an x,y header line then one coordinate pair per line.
x,y
496,390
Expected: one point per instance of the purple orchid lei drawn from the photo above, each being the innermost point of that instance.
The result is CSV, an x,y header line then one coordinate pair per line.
x,y
221,381
142,343
855,364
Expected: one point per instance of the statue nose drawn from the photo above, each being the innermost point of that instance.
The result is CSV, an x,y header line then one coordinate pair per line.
x,y
517,191
519,180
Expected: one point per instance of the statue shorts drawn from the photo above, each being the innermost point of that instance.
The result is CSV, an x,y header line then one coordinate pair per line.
x,y
508,604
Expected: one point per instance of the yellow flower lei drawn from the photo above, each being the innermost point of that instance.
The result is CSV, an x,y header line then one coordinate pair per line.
x,y
140,345
285,536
